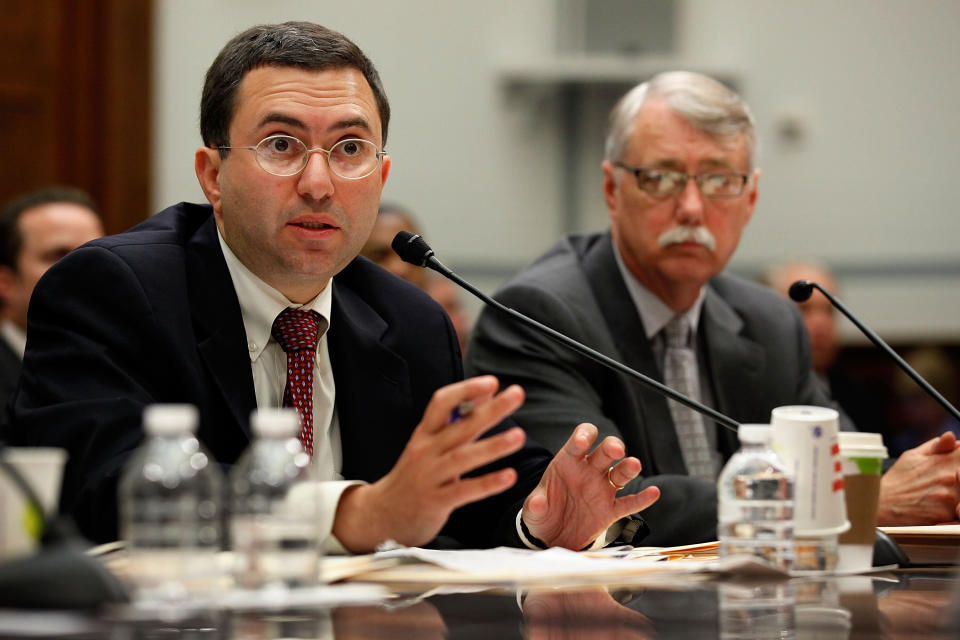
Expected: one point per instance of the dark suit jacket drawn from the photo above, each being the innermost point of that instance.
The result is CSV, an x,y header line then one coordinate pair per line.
x,y
753,340
9,371
151,315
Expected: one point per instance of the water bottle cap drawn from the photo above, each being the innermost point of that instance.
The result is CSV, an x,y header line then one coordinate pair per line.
x,y
170,419
755,433
275,423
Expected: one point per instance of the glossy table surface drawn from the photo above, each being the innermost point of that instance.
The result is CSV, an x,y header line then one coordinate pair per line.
x,y
917,604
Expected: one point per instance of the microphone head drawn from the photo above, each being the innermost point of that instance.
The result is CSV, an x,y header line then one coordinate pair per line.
x,y
412,248
801,290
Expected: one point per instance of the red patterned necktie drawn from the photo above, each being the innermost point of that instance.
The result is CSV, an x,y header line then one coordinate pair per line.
x,y
297,331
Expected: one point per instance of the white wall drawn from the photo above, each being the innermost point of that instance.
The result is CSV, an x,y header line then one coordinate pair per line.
x,y
870,186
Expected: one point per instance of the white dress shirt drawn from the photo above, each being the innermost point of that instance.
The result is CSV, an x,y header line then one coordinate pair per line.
x,y
14,336
260,304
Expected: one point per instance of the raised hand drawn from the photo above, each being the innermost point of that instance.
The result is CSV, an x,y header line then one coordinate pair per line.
x,y
576,500
411,503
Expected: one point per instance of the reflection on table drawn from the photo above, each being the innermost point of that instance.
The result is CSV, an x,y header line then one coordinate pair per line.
x,y
890,605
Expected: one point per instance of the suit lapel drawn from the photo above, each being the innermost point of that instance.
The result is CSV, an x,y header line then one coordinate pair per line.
x,y
373,387
218,324
735,362
654,426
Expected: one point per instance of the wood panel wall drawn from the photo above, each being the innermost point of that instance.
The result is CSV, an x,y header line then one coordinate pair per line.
x,y
75,101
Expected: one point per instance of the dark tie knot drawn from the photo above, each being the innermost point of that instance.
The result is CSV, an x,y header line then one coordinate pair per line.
x,y
296,329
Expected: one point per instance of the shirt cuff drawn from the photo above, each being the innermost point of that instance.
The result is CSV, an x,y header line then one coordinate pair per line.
x,y
608,536
523,537
330,493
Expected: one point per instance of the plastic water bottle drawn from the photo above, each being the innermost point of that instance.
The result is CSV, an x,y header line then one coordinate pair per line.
x,y
755,517
170,497
755,493
274,508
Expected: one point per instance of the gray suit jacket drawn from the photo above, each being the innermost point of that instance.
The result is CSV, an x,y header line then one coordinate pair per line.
x,y
753,341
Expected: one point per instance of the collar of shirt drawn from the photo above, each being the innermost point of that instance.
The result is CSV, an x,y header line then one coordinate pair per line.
x,y
260,304
15,337
654,312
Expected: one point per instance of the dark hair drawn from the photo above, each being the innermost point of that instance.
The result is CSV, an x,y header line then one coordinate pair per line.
x,y
11,240
292,44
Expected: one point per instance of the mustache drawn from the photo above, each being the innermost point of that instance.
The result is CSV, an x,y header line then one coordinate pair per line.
x,y
700,235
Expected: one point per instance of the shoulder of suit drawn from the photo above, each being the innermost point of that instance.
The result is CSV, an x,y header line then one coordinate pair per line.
x,y
174,225
751,298
560,268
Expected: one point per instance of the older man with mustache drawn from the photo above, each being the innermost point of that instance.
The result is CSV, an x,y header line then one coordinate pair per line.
x,y
680,185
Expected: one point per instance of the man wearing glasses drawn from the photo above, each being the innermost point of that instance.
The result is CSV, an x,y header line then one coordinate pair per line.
x,y
680,185
258,299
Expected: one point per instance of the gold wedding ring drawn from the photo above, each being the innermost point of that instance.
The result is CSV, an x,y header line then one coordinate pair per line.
x,y
612,484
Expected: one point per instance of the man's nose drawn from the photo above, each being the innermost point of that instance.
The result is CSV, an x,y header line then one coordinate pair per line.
x,y
690,204
316,179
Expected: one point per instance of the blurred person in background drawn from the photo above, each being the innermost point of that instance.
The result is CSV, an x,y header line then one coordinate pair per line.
x,y
36,229
391,219
864,406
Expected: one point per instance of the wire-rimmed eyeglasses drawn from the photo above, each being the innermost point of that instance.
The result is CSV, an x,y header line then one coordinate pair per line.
x,y
350,158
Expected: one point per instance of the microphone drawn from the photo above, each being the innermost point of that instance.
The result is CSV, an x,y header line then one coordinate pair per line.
x,y
414,249
801,290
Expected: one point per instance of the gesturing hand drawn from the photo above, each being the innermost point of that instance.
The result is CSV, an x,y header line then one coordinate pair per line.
x,y
413,501
576,499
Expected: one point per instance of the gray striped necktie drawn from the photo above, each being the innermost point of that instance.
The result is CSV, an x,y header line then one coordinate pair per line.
x,y
680,374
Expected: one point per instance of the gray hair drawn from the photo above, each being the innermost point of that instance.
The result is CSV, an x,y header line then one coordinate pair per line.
x,y
705,103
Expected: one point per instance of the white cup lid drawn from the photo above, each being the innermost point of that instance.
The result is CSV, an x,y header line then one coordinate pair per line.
x,y
857,444
804,413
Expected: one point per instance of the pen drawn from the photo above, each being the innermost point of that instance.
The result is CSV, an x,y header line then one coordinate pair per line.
x,y
461,411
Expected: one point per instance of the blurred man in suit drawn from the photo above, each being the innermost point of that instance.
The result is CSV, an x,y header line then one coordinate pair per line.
x,y
680,184
36,230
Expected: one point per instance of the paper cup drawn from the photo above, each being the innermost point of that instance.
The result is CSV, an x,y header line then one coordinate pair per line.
x,y
862,456
42,468
805,438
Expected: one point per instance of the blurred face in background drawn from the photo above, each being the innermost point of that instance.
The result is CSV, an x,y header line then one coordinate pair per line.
x,y
49,232
818,314
377,247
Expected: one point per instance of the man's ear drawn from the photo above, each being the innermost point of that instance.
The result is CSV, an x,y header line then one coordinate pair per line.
x,y
385,164
609,184
752,194
207,166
